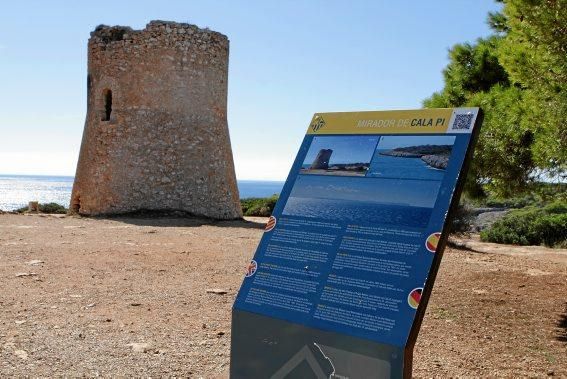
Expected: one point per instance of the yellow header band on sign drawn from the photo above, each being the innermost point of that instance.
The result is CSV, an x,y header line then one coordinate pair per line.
x,y
386,122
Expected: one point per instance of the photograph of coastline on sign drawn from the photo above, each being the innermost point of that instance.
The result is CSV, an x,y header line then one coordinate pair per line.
x,y
411,157
358,200
344,156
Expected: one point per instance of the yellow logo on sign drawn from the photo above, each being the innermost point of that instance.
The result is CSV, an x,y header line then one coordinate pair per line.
x,y
317,123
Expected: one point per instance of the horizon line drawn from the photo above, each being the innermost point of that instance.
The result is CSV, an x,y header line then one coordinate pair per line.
x,y
72,176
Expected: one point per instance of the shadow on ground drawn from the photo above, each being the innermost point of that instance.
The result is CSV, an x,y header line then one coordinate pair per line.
x,y
174,220
562,324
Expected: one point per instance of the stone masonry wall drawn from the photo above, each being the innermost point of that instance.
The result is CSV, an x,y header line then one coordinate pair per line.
x,y
156,134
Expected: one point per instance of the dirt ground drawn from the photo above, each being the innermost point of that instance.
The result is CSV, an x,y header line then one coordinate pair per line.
x,y
128,297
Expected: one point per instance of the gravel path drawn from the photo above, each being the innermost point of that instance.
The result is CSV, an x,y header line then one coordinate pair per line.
x,y
134,297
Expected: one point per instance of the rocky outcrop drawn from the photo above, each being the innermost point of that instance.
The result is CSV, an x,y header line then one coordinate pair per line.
x,y
436,161
436,156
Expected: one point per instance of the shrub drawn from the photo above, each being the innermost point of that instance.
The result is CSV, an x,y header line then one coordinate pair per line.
x,y
513,202
52,208
531,226
46,208
255,206
462,220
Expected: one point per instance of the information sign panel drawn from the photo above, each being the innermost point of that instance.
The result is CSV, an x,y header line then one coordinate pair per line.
x,y
341,277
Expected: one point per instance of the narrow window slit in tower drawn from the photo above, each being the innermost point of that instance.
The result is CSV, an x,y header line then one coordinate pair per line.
x,y
107,98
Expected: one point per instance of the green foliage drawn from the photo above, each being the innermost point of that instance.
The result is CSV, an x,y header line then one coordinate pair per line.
x,y
518,76
503,158
551,191
538,194
534,53
497,21
513,202
46,208
472,68
52,208
531,226
255,206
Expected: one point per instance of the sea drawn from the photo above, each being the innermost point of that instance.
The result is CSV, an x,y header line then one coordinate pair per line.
x,y
386,166
17,190
359,212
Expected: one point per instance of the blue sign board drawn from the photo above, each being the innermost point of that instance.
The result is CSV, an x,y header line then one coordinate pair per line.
x,y
342,274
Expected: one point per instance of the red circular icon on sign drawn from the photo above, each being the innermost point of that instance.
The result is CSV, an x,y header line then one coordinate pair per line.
x,y
251,269
414,297
271,224
432,242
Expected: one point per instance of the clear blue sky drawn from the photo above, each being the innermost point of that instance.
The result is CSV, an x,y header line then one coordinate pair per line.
x,y
288,60
356,149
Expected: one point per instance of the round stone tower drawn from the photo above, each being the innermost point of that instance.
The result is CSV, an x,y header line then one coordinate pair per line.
x,y
321,161
156,134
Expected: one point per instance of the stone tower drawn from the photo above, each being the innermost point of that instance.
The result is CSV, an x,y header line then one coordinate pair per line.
x,y
156,134
321,161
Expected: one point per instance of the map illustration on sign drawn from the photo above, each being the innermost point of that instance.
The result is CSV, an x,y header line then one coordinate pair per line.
x,y
345,273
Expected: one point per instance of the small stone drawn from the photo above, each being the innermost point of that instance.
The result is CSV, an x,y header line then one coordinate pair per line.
x,y
220,334
90,305
20,322
135,304
139,347
21,354
24,274
217,291
34,262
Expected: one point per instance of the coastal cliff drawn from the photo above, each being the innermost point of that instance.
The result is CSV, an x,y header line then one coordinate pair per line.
x,y
436,161
436,156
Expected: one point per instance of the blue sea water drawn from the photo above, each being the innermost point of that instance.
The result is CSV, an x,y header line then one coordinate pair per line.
x,y
17,190
358,211
258,188
385,166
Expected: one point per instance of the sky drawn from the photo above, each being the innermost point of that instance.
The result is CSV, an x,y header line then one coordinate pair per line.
x,y
356,149
288,60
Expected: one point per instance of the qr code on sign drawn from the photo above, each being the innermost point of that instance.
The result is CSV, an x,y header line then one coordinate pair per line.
x,y
463,121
